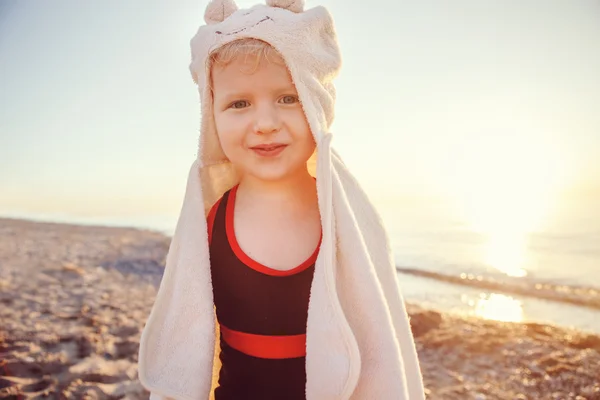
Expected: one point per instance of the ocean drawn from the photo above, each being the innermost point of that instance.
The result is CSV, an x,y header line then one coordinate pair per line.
x,y
549,273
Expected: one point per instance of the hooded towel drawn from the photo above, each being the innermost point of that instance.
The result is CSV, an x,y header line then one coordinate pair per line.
x,y
358,342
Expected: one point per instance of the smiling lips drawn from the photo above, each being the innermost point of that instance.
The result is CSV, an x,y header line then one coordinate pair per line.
x,y
269,150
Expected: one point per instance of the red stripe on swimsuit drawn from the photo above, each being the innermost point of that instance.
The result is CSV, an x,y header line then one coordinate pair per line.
x,y
264,346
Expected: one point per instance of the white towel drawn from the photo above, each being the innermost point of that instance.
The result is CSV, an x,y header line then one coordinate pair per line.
x,y
359,344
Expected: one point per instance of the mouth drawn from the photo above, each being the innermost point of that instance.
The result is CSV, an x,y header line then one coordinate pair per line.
x,y
269,150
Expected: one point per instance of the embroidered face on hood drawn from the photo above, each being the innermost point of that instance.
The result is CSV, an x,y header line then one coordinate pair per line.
x,y
307,42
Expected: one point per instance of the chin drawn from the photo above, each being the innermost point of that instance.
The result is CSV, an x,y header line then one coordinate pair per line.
x,y
269,175
274,172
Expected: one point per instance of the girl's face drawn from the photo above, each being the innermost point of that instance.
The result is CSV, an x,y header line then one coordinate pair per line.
x,y
259,120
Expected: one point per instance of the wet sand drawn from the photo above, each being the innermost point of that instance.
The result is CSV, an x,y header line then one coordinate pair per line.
x,y
74,299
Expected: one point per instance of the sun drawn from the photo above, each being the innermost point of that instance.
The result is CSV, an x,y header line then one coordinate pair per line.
x,y
504,186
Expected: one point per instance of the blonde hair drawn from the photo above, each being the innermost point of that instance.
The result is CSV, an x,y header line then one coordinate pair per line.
x,y
251,49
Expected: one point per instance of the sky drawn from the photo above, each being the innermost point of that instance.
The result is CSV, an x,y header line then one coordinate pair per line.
x,y
99,117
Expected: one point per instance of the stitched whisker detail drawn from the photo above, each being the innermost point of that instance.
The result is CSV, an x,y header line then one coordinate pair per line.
x,y
267,18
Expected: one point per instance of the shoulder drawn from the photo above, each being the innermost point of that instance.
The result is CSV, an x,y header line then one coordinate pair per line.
x,y
212,213
215,206
213,209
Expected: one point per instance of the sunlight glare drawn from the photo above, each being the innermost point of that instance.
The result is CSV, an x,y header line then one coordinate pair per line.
x,y
506,252
503,185
496,306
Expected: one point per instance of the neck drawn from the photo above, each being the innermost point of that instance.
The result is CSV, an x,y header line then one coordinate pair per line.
x,y
296,188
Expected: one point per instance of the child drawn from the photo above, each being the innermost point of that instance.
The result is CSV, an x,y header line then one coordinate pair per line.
x,y
287,290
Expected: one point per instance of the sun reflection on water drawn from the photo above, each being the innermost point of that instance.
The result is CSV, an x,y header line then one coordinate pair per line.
x,y
495,306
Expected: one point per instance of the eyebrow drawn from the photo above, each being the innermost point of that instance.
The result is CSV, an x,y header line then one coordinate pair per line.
x,y
232,95
286,88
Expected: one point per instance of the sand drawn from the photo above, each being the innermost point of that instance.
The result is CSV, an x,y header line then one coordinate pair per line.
x,y
74,299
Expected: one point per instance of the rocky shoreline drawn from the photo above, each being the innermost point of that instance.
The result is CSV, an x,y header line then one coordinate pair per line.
x,y
74,299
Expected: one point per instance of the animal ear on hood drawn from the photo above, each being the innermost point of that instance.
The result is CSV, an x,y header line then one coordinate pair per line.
x,y
218,10
296,6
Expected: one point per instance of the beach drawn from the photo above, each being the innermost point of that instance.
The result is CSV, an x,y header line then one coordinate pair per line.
x,y
74,300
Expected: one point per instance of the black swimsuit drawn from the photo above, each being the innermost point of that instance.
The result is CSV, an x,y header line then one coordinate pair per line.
x,y
262,313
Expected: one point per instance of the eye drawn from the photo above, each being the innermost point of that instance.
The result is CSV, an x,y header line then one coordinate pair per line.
x,y
239,104
289,99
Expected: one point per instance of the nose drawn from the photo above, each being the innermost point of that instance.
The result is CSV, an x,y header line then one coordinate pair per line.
x,y
266,119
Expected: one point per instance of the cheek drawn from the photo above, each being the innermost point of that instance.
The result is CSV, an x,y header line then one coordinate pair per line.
x,y
228,131
303,137
310,146
302,130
